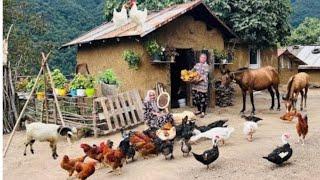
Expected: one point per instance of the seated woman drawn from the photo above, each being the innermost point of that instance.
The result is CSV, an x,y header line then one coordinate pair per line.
x,y
152,115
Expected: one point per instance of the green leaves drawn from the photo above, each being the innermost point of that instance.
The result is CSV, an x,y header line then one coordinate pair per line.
x,y
59,79
108,77
307,33
153,48
132,59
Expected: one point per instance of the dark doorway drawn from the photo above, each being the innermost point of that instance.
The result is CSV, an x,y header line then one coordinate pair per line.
x,y
180,89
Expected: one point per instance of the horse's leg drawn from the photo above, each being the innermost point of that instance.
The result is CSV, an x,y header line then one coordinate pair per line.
x,y
272,97
305,97
278,96
244,94
301,103
252,102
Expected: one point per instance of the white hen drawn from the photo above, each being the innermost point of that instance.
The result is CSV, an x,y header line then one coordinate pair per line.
x,y
249,128
223,132
138,16
120,18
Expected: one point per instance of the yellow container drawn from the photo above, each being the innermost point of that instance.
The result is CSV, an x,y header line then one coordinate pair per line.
x,y
40,96
61,92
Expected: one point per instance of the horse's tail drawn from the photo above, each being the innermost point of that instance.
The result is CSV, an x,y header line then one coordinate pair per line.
x,y
289,88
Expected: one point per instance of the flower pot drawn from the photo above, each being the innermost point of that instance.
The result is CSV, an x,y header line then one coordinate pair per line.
x,y
40,96
73,92
90,92
109,89
60,92
156,57
81,92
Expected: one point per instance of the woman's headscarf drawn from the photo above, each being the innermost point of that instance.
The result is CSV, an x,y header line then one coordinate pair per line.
x,y
153,103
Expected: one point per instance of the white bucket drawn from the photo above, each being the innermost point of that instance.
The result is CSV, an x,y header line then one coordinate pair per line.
x,y
182,102
81,92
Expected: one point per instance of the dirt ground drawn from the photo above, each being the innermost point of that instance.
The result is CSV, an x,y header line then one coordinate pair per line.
x,y
239,159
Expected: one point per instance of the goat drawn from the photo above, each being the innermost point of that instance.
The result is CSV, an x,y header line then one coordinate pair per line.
x,y
47,132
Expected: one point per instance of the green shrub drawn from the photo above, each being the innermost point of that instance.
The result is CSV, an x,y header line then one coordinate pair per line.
x,y
132,59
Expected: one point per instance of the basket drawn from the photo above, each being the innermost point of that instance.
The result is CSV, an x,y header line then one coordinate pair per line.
x,y
190,76
109,89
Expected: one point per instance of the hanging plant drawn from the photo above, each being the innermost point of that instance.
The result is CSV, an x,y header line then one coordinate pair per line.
x,y
108,77
132,59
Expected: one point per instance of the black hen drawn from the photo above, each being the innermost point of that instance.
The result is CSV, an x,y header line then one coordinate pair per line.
x,y
208,156
185,130
167,149
219,123
280,154
127,148
251,118
151,132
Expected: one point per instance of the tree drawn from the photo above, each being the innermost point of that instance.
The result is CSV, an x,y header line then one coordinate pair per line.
x,y
307,33
260,23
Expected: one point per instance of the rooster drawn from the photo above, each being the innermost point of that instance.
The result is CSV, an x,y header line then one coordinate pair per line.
x,y
143,144
85,169
113,157
138,16
93,152
302,127
120,18
69,164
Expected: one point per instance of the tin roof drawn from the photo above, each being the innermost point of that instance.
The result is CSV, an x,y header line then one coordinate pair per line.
x,y
154,20
307,55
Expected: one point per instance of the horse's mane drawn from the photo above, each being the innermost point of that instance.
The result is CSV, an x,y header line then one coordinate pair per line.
x,y
241,70
289,88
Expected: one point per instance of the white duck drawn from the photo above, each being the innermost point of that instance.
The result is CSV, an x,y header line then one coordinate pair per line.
x,y
223,132
138,16
249,128
120,18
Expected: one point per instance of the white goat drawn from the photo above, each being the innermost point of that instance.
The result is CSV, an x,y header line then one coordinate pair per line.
x,y
47,132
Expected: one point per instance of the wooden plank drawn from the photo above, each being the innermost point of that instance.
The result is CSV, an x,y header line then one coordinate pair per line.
x,y
120,111
113,113
105,112
132,108
138,104
126,110
94,113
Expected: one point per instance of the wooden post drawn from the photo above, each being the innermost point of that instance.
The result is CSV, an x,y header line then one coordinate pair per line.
x,y
21,113
95,116
52,86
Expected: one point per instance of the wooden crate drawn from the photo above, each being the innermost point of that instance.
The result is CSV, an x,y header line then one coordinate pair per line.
x,y
112,113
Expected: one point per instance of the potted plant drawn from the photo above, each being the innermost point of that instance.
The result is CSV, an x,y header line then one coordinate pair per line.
x,y
73,87
109,83
39,88
154,50
132,59
89,85
78,83
220,56
59,81
170,53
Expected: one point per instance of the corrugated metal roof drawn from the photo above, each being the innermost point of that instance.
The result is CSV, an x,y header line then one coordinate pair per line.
x,y
305,54
154,20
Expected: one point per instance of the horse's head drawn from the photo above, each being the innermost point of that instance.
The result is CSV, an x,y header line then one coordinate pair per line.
x,y
227,77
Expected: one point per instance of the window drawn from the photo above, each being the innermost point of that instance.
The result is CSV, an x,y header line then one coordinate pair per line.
x,y
254,58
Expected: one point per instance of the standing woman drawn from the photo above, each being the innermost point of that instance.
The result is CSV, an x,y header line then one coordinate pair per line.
x,y
200,90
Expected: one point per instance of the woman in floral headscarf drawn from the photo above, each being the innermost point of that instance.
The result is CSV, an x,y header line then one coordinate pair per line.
x,y
152,114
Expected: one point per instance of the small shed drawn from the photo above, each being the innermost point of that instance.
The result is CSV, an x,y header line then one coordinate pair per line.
x,y
189,28
304,59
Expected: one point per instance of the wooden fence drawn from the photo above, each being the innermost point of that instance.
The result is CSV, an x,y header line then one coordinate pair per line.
x,y
115,112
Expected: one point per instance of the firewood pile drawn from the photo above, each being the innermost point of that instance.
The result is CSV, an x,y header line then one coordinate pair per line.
x,y
224,95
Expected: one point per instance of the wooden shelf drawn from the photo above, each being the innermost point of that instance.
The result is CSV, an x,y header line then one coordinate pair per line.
x,y
162,62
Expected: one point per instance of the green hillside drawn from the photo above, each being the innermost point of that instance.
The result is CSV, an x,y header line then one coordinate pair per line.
x,y
303,9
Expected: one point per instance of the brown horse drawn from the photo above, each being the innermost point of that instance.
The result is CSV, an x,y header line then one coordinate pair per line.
x,y
250,80
295,85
